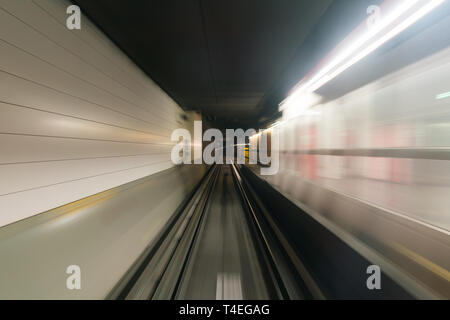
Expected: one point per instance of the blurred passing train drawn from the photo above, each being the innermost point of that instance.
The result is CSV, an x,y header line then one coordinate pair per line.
x,y
367,155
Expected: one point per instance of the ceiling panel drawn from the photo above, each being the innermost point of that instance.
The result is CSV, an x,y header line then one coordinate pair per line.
x,y
217,56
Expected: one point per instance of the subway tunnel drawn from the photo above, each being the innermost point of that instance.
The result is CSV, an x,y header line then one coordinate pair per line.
x,y
225,150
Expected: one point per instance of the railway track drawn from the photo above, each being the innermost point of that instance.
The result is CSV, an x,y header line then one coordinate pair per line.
x,y
220,244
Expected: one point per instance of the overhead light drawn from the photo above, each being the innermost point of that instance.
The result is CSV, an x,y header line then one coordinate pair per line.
x,y
398,15
300,104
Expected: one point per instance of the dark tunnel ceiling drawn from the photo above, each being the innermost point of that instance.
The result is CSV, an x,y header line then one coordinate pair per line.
x,y
217,56
234,60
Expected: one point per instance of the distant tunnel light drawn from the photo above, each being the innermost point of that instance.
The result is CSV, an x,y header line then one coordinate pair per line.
x,y
397,16
444,95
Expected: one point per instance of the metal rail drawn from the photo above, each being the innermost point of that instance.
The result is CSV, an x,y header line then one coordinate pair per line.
x,y
167,269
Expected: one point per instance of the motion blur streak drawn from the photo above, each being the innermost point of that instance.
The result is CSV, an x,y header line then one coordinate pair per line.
x,y
364,120
362,148
384,147
400,15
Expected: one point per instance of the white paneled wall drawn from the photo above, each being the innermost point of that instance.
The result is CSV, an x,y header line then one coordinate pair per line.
x,y
77,116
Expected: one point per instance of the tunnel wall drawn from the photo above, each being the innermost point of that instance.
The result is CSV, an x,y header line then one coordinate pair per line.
x,y
77,116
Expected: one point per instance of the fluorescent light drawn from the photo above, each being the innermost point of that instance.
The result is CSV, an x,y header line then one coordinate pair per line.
x,y
403,6
391,34
371,40
443,96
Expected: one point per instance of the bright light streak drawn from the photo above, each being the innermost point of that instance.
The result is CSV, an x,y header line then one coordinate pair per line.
x,y
403,6
350,55
388,36
402,15
443,96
